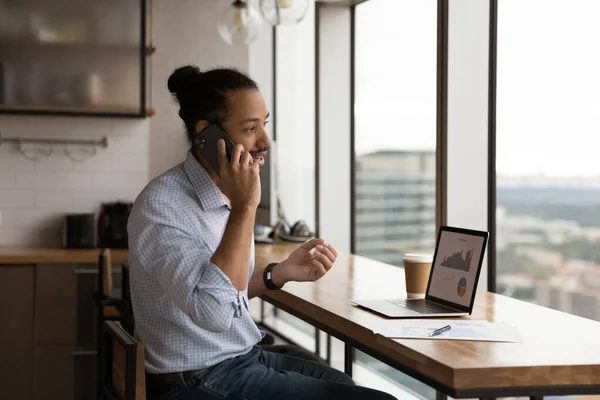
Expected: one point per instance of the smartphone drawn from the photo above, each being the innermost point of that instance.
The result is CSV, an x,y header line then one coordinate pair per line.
x,y
206,144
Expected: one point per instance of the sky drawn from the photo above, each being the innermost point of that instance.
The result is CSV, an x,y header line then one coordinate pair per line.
x,y
548,87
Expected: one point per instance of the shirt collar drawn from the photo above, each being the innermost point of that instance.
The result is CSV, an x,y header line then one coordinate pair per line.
x,y
208,193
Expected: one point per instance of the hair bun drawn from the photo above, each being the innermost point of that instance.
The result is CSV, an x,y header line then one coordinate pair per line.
x,y
182,78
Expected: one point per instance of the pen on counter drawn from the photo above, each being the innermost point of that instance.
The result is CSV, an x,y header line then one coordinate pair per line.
x,y
440,330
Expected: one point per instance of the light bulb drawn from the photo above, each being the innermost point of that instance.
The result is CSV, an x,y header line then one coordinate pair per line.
x,y
284,12
239,19
240,23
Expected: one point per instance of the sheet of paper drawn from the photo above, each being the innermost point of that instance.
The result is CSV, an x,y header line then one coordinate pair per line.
x,y
474,330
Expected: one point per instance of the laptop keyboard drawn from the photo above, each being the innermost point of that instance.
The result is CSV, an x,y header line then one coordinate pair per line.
x,y
423,306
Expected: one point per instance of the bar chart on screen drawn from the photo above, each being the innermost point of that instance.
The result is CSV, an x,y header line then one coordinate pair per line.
x,y
458,261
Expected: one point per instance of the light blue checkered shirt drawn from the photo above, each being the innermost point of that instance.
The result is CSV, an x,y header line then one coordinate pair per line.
x,y
187,312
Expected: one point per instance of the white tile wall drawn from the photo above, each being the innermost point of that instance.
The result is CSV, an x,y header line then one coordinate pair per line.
x,y
185,34
34,196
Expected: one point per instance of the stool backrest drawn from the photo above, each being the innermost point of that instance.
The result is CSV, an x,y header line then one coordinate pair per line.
x,y
124,374
105,265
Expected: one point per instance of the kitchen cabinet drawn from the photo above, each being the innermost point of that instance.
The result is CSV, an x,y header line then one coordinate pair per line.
x,y
73,57
56,305
56,331
54,372
65,326
17,285
48,331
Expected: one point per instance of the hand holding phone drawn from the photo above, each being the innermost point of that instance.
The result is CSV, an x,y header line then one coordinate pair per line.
x,y
239,176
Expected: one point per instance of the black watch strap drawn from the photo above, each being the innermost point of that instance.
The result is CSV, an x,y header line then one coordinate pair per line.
x,y
267,277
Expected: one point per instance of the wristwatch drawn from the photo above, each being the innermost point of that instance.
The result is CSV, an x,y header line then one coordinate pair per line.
x,y
268,275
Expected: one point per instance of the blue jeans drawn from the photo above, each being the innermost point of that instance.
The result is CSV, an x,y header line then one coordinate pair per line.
x,y
265,375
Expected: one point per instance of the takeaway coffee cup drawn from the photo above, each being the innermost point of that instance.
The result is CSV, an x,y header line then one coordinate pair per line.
x,y
416,272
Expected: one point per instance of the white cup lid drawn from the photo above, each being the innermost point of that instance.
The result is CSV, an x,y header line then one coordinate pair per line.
x,y
418,257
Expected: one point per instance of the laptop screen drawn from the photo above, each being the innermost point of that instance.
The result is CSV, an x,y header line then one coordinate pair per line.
x,y
455,269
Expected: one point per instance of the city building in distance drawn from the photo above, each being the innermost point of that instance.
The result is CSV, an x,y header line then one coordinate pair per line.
x,y
395,204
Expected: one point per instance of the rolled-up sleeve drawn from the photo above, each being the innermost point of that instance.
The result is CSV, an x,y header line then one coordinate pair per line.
x,y
170,249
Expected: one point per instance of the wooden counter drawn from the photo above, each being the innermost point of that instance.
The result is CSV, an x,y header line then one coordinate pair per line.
x,y
34,255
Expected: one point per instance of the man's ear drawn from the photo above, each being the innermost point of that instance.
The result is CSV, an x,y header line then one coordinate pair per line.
x,y
201,125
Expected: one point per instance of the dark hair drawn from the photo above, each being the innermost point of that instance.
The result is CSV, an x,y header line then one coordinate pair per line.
x,y
203,95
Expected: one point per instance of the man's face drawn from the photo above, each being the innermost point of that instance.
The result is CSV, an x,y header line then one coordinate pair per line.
x,y
245,125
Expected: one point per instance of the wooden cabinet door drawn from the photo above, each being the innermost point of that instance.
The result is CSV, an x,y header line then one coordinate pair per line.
x,y
56,305
64,373
66,321
16,331
56,331
54,372
66,331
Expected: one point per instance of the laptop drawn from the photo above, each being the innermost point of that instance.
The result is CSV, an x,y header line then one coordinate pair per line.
x,y
452,282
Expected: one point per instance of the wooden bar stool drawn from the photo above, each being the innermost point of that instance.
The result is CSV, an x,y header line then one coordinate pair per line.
x,y
112,301
110,307
127,320
124,375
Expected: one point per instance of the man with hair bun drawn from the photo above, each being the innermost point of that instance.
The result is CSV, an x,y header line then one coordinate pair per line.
x,y
191,256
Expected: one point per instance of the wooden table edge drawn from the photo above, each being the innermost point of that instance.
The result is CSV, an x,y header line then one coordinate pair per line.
x,y
329,322
374,346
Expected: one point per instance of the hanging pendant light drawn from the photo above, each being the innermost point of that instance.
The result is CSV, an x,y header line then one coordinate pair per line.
x,y
240,23
284,12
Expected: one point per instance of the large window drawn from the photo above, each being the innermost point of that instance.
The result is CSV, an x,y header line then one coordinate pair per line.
x,y
395,142
294,117
395,128
548,138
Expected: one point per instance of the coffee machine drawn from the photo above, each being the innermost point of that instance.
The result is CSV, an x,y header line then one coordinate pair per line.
x,y
112,225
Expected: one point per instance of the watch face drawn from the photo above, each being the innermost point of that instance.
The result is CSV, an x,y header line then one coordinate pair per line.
x,y
269,275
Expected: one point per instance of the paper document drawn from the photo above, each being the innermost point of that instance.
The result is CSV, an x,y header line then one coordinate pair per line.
x,y
459,330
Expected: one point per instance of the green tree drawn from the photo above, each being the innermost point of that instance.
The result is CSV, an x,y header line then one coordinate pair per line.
x,y
580,249
509,261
